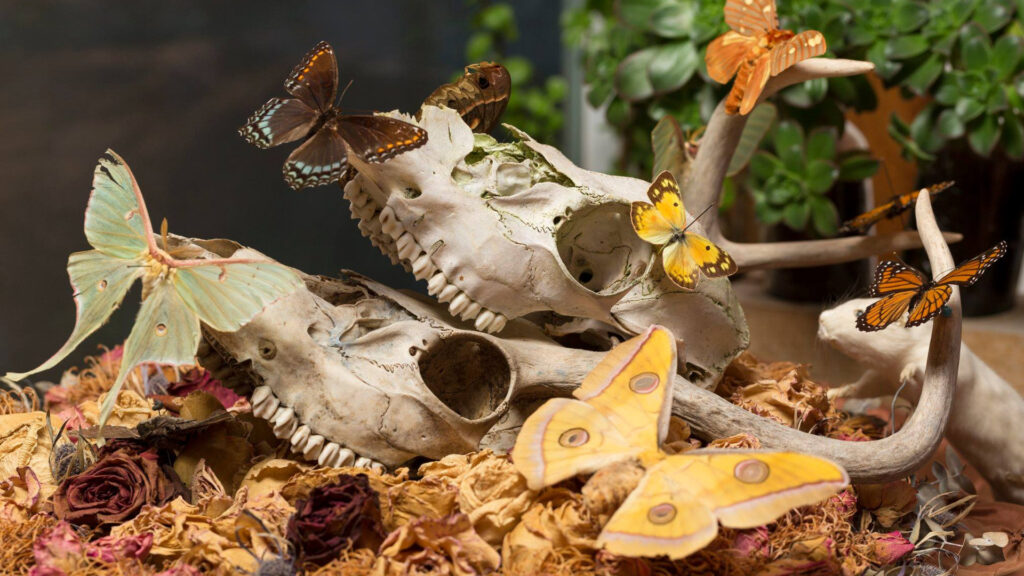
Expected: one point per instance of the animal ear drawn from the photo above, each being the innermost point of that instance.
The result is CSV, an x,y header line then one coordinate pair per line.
x,y
564,438
632,386
660,517
748,489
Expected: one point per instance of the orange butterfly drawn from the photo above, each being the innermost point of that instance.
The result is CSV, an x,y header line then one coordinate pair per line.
x,y
905,288
756,49
897,206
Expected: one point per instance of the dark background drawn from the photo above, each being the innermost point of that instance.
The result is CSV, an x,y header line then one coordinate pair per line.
x,y
166,85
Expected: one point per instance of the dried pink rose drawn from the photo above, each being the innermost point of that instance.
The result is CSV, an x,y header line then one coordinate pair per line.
x,y
888,548
337,516
61,551
199,379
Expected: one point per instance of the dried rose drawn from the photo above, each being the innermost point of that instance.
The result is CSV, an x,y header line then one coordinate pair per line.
x,y
114,489
199,379
345,514
888,548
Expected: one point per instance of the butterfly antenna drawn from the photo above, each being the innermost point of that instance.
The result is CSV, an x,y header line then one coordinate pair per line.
x,y
702,212
345,89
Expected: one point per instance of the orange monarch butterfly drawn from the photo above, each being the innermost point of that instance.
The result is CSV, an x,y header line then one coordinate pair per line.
x,y
897,206
754,50
903,288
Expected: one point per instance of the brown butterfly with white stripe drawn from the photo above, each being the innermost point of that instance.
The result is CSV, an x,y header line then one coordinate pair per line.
x,y
754,50
323,157
480,96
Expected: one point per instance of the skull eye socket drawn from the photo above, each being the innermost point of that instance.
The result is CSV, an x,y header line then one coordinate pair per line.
x,y
469,374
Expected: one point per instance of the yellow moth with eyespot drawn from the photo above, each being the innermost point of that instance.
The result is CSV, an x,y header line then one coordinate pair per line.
x,y
621,413
223,293
683,253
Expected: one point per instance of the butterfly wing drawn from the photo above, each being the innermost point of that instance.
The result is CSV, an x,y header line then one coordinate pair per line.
x,y
862,222
804,45
564,438
480,96
315,80
679,266
755,83
751,17
929,304
226,295
894,276
165,331
885,311
279,121
968,272
748,489
320,160
632,386
116,222
99,283
379,138
662,516
726,53
712,260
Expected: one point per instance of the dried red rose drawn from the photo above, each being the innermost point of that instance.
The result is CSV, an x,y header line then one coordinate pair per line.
x,y
199,379
114,489
335,517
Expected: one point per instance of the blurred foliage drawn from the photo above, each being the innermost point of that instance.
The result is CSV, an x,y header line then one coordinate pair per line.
x,y
643,59
534,107
791,183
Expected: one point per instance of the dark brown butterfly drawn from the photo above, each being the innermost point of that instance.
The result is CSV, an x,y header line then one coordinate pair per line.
x,y
480,96
903,288
322,158
897,206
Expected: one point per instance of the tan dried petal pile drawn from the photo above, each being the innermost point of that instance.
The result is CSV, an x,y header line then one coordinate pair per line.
x,y
556,524
130,409
782,391
25,441
447,546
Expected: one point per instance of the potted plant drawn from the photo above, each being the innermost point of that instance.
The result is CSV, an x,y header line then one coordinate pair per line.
x,y
803,186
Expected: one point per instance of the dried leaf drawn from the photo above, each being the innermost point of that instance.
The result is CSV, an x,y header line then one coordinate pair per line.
x,y
444,546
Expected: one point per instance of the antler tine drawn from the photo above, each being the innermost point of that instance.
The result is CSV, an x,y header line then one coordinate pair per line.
x,y
875,461
708,173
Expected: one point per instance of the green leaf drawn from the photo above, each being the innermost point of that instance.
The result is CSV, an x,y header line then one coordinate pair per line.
x,y
878,56
993,14
788,142
1018,84
1005,55
618,113
479,47
909,16
763,165
759,121
795,215
923,131
821,145
856,165
921,79
672,66
783,193
674,20
1013,136
821,175
499,18
599,92
637,13
900,132
903,47
767,213
947,94
984,136
631,80
824,216
968,109
996,101
667,141
949,124
519,69
975,49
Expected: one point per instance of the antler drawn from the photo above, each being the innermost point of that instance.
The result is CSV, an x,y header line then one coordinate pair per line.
x,y
709,168
876,461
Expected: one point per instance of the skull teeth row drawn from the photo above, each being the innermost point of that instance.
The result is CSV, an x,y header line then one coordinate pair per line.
x,y
386,232
312,446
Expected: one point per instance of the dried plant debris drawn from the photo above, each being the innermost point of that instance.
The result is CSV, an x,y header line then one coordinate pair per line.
x,y
206,489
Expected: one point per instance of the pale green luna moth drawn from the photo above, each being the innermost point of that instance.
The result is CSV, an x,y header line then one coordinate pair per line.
x,y
177,294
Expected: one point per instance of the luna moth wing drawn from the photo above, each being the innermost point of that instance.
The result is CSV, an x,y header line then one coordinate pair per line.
x,y
166,331
567,437
227,294
747,489
632,386
661,516
116,221
99,282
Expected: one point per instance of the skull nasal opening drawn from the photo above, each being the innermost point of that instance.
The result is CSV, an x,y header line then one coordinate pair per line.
x,y
468,374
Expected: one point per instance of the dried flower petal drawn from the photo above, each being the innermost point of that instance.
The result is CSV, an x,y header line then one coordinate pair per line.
x,y
114,489
741,441
888,548
443,546
782,391
22,496
336,516
887,502
199,379
129,409
608,488
558,521
432,497
24,441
